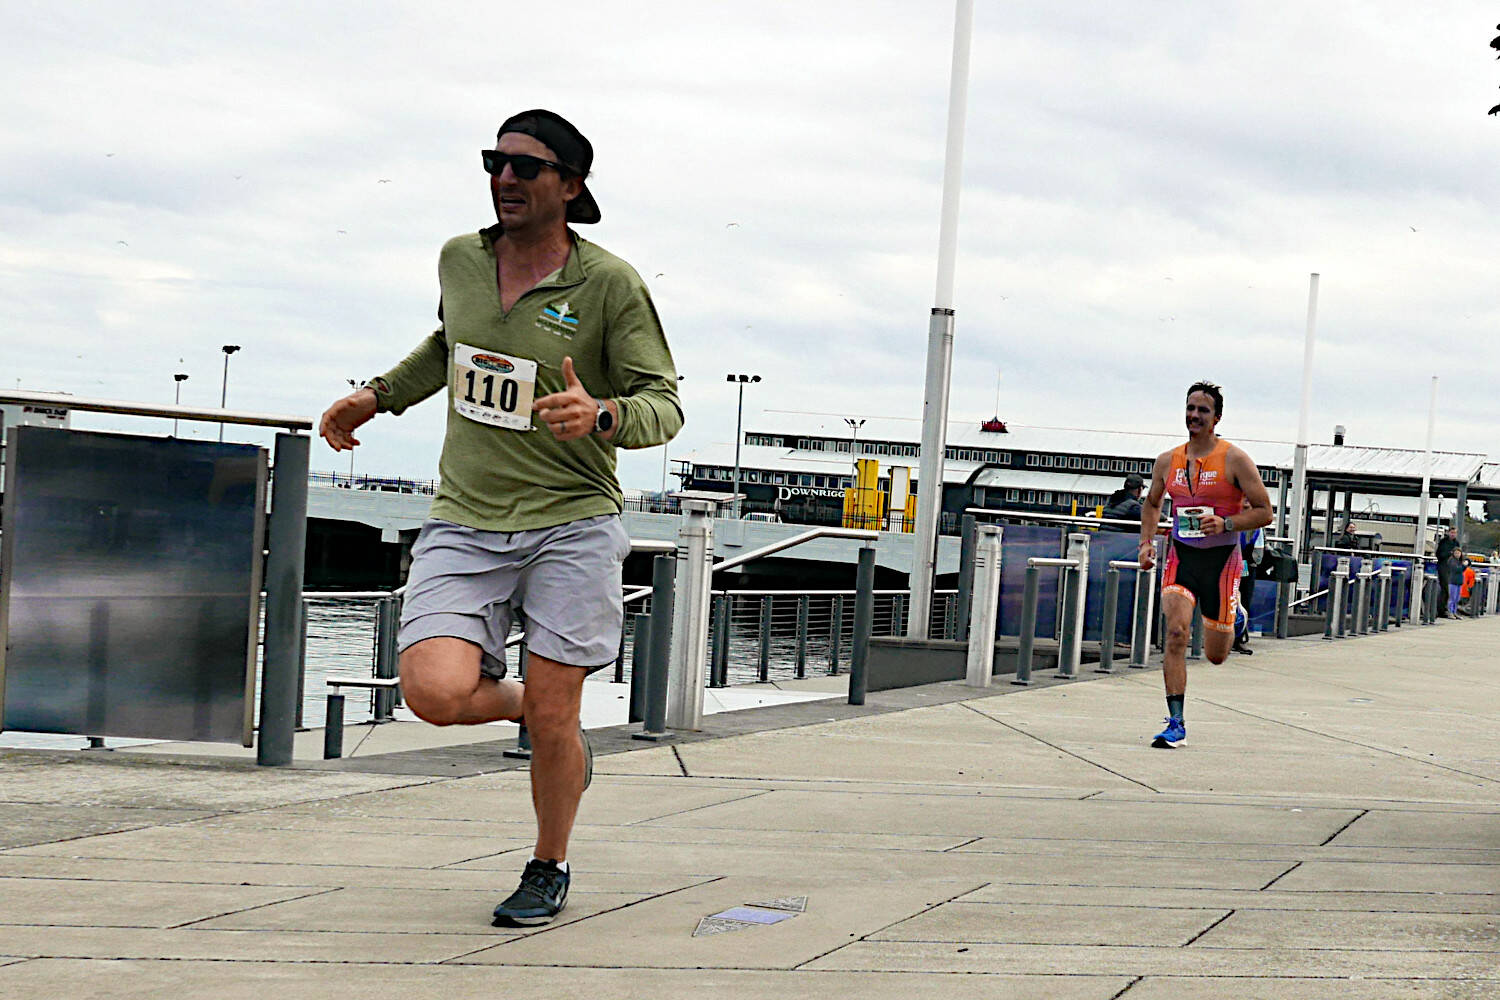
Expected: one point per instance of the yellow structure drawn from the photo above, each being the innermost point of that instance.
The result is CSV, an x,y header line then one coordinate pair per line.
x,y
864,503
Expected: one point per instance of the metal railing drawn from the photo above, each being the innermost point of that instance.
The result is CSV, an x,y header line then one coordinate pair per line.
x,y
1071,571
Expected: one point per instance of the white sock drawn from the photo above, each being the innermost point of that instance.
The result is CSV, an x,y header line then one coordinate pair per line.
x,y
561,864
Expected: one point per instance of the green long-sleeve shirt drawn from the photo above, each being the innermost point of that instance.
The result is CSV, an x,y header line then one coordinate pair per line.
x,y
595,310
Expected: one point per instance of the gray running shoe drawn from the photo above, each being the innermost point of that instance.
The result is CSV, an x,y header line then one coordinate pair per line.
x,y
541,896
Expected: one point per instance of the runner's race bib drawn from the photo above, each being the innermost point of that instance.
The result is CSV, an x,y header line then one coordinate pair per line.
x,y
493,388
1190,522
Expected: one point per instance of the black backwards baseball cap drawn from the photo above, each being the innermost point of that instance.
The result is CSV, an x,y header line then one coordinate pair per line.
x,y
568,145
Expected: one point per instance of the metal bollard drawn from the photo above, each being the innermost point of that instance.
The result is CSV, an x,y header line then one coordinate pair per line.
x,y
1067,647
1284,590
654,725
640,659
1195,650
898,615
1341,573
984,606
1140,625
765,639
968,539
522,749
387,621
1107,625
1028,625
1401,586
718,671
620,660
835,633
333,728
864,616
301,668
1383,596
803,606
1362,604
1340,610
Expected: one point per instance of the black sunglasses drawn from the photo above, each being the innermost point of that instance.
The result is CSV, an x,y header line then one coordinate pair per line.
x,y
523,166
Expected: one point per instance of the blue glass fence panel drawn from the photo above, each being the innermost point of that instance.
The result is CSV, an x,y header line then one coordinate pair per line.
x,y
1263,606
1021,542
1103,547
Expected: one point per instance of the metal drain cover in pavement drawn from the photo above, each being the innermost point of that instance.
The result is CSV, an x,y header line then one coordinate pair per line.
x,y
737,918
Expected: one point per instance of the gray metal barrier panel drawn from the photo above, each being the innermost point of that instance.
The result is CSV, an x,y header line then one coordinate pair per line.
x,y
130,577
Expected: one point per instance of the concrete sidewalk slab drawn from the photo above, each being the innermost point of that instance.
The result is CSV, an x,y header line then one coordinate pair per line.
x,y
1331,829
81,980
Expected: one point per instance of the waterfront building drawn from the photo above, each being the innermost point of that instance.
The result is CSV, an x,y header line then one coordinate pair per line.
x,y
798,466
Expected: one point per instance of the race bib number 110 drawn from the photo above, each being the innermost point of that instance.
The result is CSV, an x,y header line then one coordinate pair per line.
x,y
493,388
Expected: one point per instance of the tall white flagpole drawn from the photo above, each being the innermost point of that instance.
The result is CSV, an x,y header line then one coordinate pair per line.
x,y
940,340
1419,567
1299,498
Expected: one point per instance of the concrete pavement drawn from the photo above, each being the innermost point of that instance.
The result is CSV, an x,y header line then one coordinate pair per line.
x,y
1331,829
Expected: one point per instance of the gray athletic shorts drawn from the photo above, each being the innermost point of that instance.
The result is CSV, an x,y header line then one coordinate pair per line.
x,y
561,585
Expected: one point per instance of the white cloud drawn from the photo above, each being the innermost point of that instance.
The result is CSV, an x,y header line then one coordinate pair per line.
x,y
176,176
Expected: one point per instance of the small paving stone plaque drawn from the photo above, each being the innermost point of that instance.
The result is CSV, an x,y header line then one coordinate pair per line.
x,y
793,904
756,914
718,925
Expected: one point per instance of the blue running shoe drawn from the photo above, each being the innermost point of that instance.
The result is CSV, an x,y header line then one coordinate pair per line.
x,y
1175,735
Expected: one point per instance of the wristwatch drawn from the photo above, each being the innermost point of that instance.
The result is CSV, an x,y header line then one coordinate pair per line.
x,y
1228,525
604,421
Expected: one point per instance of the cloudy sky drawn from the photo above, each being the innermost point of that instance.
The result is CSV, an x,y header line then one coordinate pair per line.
x,y
1146,189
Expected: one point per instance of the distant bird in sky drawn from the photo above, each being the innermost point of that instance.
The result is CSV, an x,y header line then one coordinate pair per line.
x,y
1495,110
122,243
731,225
1412,228
383,180
109,154
661,274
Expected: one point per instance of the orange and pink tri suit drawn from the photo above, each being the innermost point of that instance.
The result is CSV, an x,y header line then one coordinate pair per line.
x,y
1204,568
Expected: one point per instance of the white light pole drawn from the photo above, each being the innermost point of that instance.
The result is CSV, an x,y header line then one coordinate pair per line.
x,y
179,378
940,339
353,384
228,349
1299,499
855,425
738,423
1419,550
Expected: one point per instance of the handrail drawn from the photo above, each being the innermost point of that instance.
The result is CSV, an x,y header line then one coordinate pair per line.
x,y
1387,553
1309,597
858,534
65,401
821,593
1125,564
1064,518
1048,561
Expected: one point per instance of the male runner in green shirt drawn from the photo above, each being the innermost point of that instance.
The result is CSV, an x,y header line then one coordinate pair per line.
x,y
552,356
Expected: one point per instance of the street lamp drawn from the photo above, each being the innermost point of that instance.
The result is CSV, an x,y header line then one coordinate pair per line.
x,y
353,384
228,349
738,416
179,378
855,425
